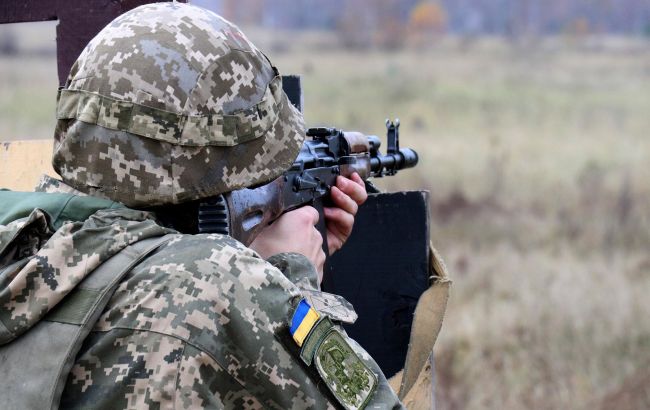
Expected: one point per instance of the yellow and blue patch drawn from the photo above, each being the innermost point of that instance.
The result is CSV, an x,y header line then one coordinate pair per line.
x,y
303,321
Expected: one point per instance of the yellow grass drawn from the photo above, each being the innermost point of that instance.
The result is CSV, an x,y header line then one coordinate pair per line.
x,y
537,161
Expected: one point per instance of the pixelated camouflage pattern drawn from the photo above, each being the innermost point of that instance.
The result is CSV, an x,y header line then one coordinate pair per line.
x,y
52,185
21,239
39,268
201,323
170,103
298,269
228,309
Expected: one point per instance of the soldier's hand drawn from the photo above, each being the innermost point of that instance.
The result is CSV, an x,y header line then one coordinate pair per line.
x,y
347,195
294,231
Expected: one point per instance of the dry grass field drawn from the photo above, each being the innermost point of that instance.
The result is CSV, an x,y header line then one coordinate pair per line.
x,y
537,159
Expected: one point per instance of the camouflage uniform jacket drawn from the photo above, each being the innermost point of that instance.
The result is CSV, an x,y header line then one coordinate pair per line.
x,y
201,323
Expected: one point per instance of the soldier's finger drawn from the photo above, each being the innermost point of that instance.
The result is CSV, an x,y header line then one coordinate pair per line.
x,y
319,257
356,178
317,238
339,222
344,201
309,213
355,188
339,228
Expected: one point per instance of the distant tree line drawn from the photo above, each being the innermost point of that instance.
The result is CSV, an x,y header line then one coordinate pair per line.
x,y
463,17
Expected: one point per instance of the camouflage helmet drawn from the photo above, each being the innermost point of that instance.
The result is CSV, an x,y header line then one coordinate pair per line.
x,y
170,103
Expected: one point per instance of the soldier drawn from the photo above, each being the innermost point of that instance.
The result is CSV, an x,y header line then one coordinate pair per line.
x,y
167,104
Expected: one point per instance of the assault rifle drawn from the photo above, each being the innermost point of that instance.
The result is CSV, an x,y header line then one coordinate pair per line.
x,y
327,153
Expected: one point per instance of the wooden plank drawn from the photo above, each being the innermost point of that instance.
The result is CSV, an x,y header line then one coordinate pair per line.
x,y
23,163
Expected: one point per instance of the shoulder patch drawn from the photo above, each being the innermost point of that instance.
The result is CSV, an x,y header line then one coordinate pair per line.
x,y
334,306
314,339
304,318
345,374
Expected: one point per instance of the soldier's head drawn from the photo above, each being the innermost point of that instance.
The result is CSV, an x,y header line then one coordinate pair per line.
x,y
171,103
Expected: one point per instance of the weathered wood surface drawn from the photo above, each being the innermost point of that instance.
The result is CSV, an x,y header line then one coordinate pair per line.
x,y
79,22
23,163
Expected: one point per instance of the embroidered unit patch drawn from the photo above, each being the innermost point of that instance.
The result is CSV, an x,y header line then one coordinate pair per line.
x,y
302,322
314,338
345,374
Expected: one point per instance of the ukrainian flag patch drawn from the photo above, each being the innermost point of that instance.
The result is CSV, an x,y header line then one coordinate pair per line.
x,y
303,321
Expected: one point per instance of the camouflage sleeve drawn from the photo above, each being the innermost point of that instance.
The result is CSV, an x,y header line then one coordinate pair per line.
x,y
302,273
203,323
297,268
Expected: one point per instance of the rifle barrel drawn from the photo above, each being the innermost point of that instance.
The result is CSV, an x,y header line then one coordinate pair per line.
x,y
391,163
